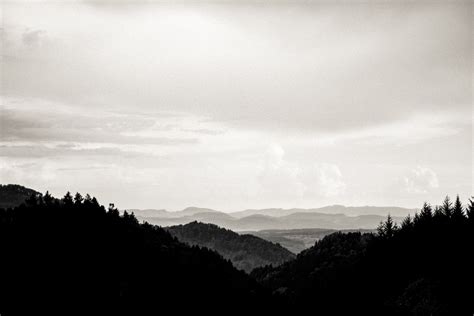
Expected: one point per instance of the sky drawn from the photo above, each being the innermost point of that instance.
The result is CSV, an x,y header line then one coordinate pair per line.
x,y
236,105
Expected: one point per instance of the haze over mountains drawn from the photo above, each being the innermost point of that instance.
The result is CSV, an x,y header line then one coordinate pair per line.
x,y
329,217
335,217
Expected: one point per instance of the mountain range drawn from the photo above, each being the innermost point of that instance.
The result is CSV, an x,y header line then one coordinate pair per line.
x,y
335,217
78,253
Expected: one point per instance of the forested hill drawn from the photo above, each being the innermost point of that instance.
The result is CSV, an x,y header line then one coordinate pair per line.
x,y
12,195
75,252
66,256
423,267
246,252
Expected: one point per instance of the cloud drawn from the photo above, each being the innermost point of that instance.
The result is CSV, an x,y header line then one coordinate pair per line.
x,y
282,178
325,179
19,171
60,150
187,97
278,177
35,120
413,129
338,70
421,180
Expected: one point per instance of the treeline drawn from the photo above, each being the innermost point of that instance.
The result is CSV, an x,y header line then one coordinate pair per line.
x,y
71,254
422,267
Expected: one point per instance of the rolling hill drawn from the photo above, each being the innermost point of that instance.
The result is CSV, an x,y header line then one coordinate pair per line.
x,y
297,240
12,195
74,253
246,252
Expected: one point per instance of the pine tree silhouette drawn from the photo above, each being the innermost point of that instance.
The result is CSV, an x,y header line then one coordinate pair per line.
x,y
447,207
470,210
78,199
387,228
67,199
458,212
426,212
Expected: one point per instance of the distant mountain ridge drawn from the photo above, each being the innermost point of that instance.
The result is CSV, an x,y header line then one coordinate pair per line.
x,y
335,217
246,252
331,209
287,219
189,211
280,212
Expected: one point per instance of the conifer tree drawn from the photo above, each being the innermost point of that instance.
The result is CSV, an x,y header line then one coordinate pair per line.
x,y
470,210
426,213
67,199
447,207
78,199
387,228
48,199
458,212
416,219
407,223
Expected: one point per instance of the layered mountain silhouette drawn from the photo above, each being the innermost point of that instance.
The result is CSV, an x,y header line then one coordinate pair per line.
x,y
421,267
332,209
245,251
73,255
266,219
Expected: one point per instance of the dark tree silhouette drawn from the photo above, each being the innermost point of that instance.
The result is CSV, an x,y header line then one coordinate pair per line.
x,y
458,212
67,199
387,228
470,210
78,199
407,223
447,207
426,213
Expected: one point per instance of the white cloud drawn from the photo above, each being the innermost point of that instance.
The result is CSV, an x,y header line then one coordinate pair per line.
x,y
25,171
338,69
281,177
421,180
413,129
194,94
326,180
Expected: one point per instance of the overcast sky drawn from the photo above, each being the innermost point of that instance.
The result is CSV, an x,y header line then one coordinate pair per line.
x,y
235,106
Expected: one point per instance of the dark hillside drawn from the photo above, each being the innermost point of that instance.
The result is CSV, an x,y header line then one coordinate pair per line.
x,y
246,252
423,267
12,195
77,253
